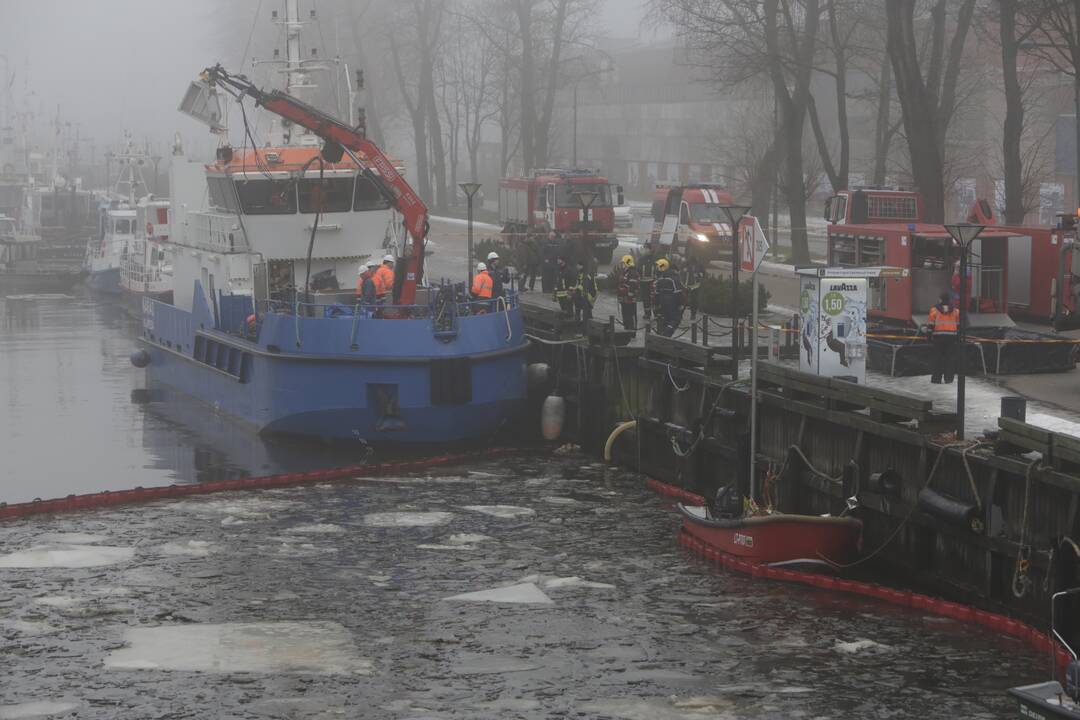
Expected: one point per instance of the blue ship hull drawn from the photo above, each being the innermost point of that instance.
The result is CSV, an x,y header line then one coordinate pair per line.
x,y
377,380
105,281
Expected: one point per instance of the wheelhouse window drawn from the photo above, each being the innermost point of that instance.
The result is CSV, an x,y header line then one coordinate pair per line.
x,y
327,195
367,196
222,195
122,226
566,195
267,197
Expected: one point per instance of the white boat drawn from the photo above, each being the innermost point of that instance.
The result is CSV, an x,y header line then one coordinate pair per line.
x,y
146,268
116,222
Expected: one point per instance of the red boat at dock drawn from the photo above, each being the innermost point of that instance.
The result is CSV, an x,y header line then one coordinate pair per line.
x,y
776,538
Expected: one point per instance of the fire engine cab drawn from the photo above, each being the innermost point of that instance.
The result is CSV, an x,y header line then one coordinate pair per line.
x,y
576,203
690,218
874,227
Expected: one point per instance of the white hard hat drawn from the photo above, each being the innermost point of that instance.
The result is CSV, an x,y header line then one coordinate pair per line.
x,y
389,258
372,263
480,267
493,255
360,270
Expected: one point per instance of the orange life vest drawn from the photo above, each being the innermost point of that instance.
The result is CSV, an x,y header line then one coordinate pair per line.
x,y
945,323
384,280
482,285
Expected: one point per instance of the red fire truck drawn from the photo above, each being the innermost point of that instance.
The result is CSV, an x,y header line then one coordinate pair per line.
x,y
553,199
1042,259
873,227
690,218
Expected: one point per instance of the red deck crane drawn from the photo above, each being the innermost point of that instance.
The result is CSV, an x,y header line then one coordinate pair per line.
x,y
338,138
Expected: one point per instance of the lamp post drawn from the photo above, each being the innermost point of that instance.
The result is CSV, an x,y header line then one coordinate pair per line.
x,y
585,198
963,234
469,188
734,214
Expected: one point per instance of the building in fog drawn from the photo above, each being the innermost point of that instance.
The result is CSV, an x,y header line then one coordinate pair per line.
x,y
647,118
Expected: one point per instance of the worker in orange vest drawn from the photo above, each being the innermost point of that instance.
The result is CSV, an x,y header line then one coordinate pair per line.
x,y
384,280
482,286
944,325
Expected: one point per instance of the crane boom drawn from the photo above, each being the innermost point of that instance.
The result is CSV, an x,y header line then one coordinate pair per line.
x,y
372,161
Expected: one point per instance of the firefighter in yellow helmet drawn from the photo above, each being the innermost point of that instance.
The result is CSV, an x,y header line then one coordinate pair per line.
x,y
629,280
669,294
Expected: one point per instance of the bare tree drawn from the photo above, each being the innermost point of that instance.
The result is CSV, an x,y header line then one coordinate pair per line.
x,y
928,103
425,17
776,40
1057,24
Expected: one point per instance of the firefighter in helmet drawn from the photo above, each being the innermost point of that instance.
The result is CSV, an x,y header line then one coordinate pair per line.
x,y
627,292
669,296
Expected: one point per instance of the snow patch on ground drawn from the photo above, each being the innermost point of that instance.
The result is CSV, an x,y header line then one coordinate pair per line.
x,y
522,593
559,500
407,519
66,556
860,645
39,708
190,548
324,648
501,511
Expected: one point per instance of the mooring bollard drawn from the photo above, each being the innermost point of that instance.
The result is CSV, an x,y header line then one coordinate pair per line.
x,y
704,329
1014,407
693,333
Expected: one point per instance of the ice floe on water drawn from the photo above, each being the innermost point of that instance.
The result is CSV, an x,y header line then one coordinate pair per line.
x,y
673,708
860,646
501,511
522,593
72,538
316,529
564,582
487,664
27,628
559,500
38,708
457,541
322,648
66,556
407,519
189,548
59,601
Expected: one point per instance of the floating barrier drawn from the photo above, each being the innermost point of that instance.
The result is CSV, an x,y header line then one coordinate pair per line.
x,y
137,495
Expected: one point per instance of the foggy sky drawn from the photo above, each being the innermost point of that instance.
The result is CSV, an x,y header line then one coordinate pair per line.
x,y
112,65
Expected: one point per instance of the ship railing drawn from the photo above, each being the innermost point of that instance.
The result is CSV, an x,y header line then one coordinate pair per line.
x,y
444,315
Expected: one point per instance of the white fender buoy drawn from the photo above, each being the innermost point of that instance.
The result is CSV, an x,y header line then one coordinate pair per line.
x,y
552,415
537,375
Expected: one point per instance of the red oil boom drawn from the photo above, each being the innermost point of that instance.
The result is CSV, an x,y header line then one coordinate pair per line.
x,y
338,138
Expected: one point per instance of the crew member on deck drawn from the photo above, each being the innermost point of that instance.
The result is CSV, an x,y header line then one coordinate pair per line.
x,y
365,284
944,325
499,276
384,280
482,287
